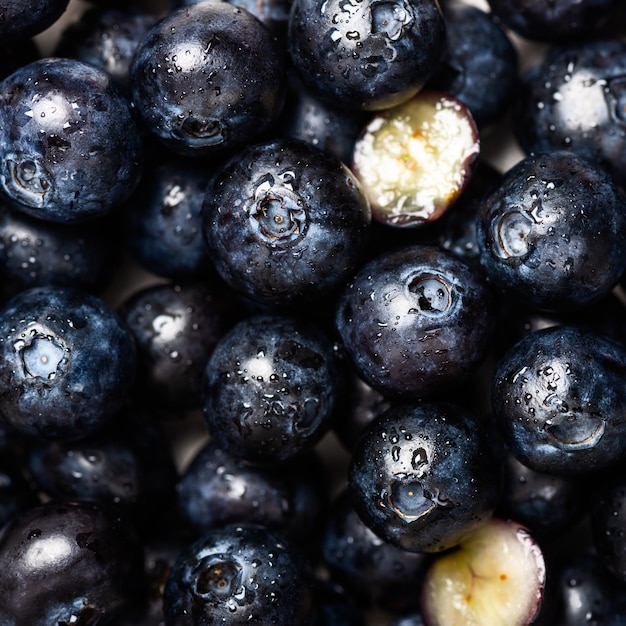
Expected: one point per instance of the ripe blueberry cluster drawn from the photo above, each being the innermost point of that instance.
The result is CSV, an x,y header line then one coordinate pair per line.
x,y
312,313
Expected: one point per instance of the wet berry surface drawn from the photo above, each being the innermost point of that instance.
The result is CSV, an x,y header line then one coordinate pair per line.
x,y
312,313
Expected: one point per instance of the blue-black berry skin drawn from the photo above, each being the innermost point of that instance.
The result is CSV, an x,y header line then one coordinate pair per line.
x,y
162,221
239,575
67,362
20,19
218,488
415,320
270,388
175,327
587,588
553,22
36,253
365,56
70,146
207,77
378,573
106,37
573,99
68,563
608,516
423,476
285,222
480,63
552,234
558,397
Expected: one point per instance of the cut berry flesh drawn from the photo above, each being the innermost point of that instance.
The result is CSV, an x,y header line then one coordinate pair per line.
x,y
497,576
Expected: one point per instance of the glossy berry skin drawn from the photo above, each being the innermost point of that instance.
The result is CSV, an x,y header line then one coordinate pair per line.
x,y
71,149
162,220
270,388
547,504
366,56
20,19
480,64
105,37
207,77
36,253
574,100
378,573
552,234
128,464
308,118
415,320
67,362
175,327
64,563
553,22
608,516
296,240
239,575
218,488
558,398
423,476
589,593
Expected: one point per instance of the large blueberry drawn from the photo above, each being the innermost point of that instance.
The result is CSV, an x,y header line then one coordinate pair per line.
x,y
239,575
285,222
68,563
552,234
480,63
36,253
67,362
367,55
423,476
70,147
270,387
558,395
574,99
176,327
20,19
415,320
207,77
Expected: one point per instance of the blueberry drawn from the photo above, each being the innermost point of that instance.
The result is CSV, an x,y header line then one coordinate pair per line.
x,y
480,63
589,591
573,99
296,239
175,327
552,234
68,563
162,222
308,118
558,21
71,149
127,464
105,37
270,388
218,488
207,77
415,321
67,362
549,505
378,573
558,397
20,19
365,56
37,253
423,476
239,574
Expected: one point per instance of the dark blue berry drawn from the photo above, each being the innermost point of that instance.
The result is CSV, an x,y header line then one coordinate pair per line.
x,y
70,147
67,362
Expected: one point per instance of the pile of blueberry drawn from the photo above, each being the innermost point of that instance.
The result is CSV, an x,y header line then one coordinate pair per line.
x,y
284,341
